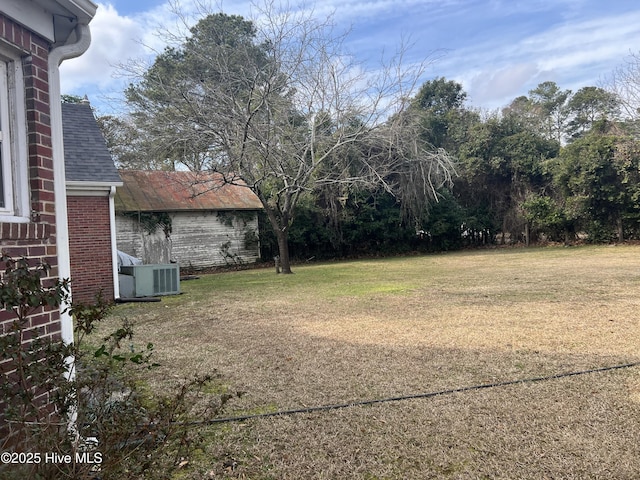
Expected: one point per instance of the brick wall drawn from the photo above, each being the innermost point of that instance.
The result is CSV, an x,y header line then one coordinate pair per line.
x,y
35,240
90,248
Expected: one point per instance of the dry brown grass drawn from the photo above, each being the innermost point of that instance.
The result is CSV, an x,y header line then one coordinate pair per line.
x,y
362,330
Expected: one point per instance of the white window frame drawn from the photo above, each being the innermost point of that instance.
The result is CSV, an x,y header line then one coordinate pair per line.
x,y
13,140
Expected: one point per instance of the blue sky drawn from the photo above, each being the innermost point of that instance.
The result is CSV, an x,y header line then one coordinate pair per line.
x,y
497,49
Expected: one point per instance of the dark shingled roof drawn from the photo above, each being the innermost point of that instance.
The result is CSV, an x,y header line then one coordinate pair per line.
x,y
86,157
160,191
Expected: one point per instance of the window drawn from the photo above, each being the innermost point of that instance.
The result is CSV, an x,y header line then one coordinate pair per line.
x,y
5,151
14,187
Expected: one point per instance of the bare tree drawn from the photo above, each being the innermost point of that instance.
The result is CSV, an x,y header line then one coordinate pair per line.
x,y
279,106
625,83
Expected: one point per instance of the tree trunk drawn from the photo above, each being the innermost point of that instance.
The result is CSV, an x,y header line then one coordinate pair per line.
x,y
280,225
620,229
283,250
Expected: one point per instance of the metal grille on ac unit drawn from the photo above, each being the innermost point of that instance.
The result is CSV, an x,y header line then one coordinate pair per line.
x,y
151,280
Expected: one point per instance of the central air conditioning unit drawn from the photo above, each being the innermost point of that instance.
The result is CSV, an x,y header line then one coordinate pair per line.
x,y
149,280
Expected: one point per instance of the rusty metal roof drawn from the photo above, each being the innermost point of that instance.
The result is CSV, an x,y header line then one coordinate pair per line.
x,y
159,191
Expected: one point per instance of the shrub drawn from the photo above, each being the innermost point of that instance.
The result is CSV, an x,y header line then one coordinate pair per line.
x,y
99,421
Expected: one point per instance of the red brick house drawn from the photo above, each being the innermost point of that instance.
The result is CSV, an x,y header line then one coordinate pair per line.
x,y
36,36
91,181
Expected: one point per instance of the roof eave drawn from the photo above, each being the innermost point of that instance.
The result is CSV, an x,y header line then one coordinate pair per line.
x,y
79,188
85,10
191,210
54,20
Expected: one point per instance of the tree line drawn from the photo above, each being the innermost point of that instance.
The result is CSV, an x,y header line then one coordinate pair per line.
x,y
349,161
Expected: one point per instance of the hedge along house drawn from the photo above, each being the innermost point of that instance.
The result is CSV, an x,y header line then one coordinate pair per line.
x,y
193,219
91,181
35,38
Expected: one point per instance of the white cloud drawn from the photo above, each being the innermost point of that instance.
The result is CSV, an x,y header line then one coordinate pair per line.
x,y
490,53
494,86
574,54
114,39
590,42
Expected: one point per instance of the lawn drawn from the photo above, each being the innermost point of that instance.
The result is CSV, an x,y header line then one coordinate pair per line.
x,y
372,329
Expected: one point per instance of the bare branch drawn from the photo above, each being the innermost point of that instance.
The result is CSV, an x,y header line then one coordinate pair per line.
x,y
625,83
280,103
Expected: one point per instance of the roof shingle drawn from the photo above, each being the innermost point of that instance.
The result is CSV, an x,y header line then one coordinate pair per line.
x,y
86,156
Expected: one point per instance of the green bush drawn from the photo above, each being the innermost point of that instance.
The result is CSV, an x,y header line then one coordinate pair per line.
x,y
100,421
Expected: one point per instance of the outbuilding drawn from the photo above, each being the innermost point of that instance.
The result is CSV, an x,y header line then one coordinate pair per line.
x,y
194,219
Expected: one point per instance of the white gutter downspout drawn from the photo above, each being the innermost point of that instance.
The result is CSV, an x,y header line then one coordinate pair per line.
x,y
114,249
56,57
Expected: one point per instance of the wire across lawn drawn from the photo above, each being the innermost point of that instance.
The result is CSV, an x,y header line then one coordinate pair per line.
x,y
349,332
